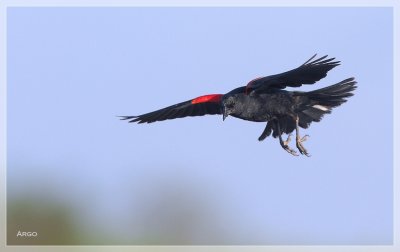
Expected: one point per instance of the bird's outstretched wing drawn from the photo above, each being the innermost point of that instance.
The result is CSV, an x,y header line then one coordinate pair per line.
x,y
310,72
202,105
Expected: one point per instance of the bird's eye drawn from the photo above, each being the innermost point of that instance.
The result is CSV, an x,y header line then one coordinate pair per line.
x,y
229,105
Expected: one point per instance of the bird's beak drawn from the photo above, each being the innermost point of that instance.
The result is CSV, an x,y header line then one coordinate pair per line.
x,y
224,114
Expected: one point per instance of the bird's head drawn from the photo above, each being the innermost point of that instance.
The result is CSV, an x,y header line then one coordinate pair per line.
x,y
228,106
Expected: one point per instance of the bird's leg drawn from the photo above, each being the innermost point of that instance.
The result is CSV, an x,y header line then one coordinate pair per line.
x,y
300,140
285,144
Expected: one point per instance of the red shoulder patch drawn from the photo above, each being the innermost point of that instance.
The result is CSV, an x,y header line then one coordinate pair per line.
x,y
207,98
250,85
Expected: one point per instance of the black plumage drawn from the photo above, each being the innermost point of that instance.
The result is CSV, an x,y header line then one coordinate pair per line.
x,y
265,100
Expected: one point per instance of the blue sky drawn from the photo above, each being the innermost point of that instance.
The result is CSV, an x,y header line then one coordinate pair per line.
x,y
71,71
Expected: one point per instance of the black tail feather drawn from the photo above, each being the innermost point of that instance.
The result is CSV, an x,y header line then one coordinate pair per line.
x,y
315,104
333,95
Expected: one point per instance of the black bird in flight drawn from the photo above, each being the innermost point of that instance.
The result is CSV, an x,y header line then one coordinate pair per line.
x,y
265,100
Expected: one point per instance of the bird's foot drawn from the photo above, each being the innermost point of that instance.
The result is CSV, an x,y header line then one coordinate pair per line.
x,y
288,139
299,145
285,146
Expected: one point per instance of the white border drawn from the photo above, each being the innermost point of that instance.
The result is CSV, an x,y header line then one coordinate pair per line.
x,y
196,3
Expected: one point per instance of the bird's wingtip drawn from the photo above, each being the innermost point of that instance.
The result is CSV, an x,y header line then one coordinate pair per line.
x,y
127,117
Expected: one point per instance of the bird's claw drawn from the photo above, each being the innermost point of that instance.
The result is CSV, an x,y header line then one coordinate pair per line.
x,y
289,150
286,147
300,146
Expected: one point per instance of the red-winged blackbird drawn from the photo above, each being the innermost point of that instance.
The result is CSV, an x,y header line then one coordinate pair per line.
x,y
265,100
